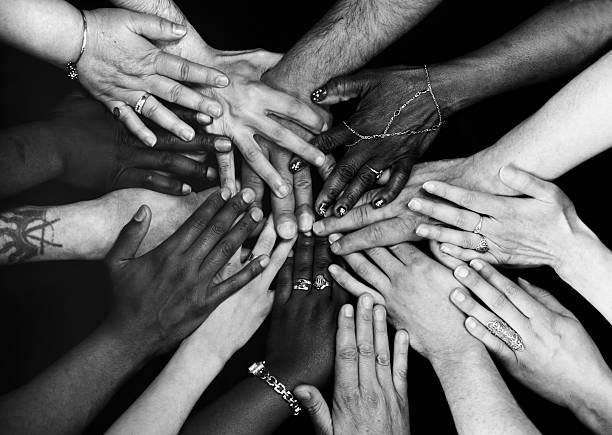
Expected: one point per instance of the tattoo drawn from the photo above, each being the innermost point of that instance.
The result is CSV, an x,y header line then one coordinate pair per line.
x,y
25,233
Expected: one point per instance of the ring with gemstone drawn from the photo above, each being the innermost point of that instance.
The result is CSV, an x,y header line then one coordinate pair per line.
x,y
141,102
483,245
302,284
321,283
505,333
377,173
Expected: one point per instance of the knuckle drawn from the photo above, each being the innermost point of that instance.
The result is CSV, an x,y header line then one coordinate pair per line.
x,y
372,399
383,359
347,353
498,302
251,154
345,171
362,214
226,248
400,372
375,233
365,350
175,93
509,290
217,228
166,160
149,110
314,407
184,70
467,199
460,220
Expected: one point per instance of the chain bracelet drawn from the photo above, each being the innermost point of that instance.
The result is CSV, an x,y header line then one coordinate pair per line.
x,y
259,370
386,133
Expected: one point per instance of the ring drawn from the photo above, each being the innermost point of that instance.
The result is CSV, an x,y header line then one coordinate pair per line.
x,y
321,283
377,173
482,246
478,226
505,333
141,102
302,284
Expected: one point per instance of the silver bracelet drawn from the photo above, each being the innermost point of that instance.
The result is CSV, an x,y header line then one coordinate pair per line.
x,y
259,370
71,67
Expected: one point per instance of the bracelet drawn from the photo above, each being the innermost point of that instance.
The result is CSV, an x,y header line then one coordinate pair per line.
x,y
71,67
259,370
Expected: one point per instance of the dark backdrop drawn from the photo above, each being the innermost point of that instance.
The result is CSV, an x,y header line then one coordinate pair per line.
x,y
47,308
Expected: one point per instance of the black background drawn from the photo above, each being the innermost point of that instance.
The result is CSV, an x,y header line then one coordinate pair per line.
x,y
47,308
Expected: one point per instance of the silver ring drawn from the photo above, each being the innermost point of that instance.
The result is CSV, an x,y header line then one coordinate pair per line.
x,y
478,226
505,333
302,284
377,173
141,102
482,246
321,283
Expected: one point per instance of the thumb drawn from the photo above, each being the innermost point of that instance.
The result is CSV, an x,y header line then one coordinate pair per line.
x,y
156,28
333,138
131,236
316,407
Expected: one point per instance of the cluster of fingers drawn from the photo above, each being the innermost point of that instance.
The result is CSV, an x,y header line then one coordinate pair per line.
x,y
500,318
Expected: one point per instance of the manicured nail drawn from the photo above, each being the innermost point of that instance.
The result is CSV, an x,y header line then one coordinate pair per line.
x,y
140,214
222,81
216,110
422,231
203,119
333,269
348,310
185,189
341,211
305,222
470,323
256,214
319,94
379,313
264,260
187,134
322,210
318,227
179,30
248,195
379,203
284,190
366,301
225,194
334,237
458,296
223,145
415,204
296,166
477,265
150,140
462,272
287,230
429,186
403,335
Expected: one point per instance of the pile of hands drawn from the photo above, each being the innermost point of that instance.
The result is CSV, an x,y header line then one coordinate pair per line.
x,y
181,256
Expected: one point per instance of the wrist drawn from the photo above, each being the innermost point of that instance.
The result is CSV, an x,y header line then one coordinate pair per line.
x,y
448,361
592,407
572,252
455,85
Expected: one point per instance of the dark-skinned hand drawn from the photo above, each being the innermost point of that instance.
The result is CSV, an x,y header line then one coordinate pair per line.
x,y
100,154
382,93
300,346
164,295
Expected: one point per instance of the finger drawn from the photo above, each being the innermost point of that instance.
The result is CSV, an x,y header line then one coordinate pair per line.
x,y
155,28
400,363
284,284
302,192
201,142
468,305
544,297
365,343
491,342
341,88
130,237
277,259
466,255
381,349
290,141
219,225
191,117
527,184
217,257
302,263
358,217
171,163
363,181
445,213
151,180
346,371
266,240
283,209
254,156
449,261
352,285
333,138
386,261
515,294
369,272
165,118
316,407
341,175
251,180
397,181
492,297
184,96
383,233
292,108
321,260
132,121
407,253
481,203
182,70
227,170
463,239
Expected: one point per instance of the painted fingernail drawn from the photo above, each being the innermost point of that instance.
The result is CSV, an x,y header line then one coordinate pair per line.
x,y
470,323
225,194
379,203
305,222
341,211
422,231
287,230
248,195
476,265
223,145
334,237
296,166
322,210
348,311
429,186
203,119
319,94
366,301
461,272
415,204
379,313
187,134
150,140
318,227
222,81
458,296
140,214
179,30
284,190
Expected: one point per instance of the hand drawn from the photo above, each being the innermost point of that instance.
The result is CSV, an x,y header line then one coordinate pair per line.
x,y
120,65
400,94
527,231
99,153
301,335
415,290
557,358
369,396
164,295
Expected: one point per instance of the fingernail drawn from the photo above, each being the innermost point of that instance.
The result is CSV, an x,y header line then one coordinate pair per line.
x,y
201,118
318,227
305,394
341,211
476,265
223,145
179,30
320,160
379,313
296,166
461,272
185,189
523,281
248,195
187,134
287,230
429,186
319,94
140,214
222,81
325,127
422,231
379,203
305,222
256,214
211,173
348,311
284,190
322,210
150,140
264,261
470,323
333,269
334,237
216,110
444,249
458,296
415,204
225,194
403,335
366,301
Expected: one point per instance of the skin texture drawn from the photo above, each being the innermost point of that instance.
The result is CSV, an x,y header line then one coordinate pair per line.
x,y
560,361
82,145
157,300
299,349
370,396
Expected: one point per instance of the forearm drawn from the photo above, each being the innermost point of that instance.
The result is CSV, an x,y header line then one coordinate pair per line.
x,y
478,397
69,394
51,30
29,156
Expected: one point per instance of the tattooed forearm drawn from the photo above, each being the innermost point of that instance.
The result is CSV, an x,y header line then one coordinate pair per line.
x,y
25,233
